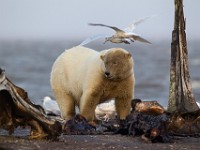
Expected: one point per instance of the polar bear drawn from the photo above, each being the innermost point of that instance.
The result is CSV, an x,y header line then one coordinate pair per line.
x,y
85,78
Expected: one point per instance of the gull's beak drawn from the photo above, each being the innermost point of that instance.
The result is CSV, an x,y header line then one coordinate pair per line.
x,y
106,40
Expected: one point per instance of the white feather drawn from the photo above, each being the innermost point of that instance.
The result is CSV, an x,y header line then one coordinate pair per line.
x,y
198,104
106,111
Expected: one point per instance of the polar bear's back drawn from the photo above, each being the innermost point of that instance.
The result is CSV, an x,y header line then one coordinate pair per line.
x,y
72,64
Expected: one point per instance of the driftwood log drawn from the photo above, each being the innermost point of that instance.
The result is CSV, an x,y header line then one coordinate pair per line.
x,y
181,98
185,113
17,110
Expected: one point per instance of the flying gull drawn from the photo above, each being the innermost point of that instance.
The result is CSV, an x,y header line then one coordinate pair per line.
x,y
121,35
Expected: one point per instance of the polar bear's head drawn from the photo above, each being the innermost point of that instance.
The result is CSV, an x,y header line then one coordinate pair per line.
x,y
118,64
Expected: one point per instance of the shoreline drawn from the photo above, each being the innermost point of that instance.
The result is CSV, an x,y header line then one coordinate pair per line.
x,y
19,140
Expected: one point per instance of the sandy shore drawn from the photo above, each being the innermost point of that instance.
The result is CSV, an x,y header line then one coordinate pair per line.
x,y
19,140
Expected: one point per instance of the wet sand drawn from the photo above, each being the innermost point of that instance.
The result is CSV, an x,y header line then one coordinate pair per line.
x,y
19,140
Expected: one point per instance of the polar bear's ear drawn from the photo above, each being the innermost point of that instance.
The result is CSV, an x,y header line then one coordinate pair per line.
x,y
102,56
128,55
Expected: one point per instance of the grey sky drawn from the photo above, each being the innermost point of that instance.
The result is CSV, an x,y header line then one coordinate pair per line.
x,y
58,19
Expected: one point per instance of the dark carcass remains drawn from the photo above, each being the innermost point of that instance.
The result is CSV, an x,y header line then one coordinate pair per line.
x,y
149,120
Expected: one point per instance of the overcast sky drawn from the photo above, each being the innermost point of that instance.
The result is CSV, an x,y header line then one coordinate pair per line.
x,y
65,19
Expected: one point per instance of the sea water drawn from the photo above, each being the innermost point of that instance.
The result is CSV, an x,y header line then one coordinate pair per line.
x,y
28,65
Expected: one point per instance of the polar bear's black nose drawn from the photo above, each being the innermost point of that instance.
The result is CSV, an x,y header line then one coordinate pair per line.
x,y
107,73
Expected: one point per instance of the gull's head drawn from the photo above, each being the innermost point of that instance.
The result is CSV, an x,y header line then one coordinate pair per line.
x,y
107,39
1,71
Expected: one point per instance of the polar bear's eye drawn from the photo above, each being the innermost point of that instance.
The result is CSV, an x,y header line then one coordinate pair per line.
x,y
114,63
106,63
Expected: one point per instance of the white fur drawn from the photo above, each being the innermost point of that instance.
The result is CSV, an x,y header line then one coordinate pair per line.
x,y
78,79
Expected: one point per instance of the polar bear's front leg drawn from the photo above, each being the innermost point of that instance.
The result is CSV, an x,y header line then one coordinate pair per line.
x,y
65,103
88,103
123,107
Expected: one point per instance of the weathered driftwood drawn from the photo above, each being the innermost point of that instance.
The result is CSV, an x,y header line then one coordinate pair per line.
x,y
17,110
181,98
187,124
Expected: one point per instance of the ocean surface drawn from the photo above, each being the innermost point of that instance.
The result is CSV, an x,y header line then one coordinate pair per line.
x,y
28,65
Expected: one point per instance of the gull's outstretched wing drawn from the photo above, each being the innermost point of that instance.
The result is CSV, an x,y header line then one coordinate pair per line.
x,y
103,25
133,25
92,38
139,38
